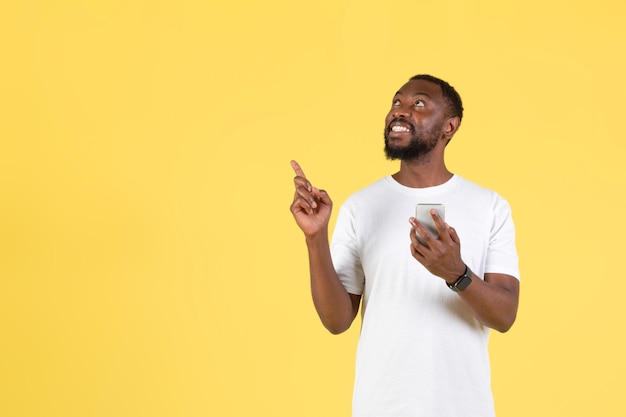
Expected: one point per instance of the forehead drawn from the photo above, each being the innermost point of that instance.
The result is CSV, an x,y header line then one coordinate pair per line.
x,y
421,87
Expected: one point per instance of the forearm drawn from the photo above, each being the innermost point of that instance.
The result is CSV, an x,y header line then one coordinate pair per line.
x,y
493,301
335,306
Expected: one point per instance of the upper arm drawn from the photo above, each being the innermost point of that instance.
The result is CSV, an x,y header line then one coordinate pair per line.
x,y
506,298
356,301
504,281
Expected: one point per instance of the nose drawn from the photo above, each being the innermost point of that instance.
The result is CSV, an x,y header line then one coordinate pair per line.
x,y
400,111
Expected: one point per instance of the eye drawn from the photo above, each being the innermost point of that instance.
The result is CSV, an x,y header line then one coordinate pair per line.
x,y
420,103
396,102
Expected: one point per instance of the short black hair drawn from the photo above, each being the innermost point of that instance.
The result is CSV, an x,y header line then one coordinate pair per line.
x,y
449,93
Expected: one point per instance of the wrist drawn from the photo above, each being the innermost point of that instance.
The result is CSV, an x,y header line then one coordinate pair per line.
x,y
462,282
460,270
313,239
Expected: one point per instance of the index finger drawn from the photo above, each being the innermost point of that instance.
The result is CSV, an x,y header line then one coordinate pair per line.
x,y
296,167
439,223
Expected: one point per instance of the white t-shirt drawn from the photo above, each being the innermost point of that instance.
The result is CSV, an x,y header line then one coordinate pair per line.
x,y
421,353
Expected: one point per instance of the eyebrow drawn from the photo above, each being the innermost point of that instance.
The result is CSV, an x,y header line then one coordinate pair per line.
x,y
419,93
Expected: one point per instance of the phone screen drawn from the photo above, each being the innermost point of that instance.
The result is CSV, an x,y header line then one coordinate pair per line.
x,y
422,214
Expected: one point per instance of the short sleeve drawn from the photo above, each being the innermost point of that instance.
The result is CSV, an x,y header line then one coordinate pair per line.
x,y
345,254
502,255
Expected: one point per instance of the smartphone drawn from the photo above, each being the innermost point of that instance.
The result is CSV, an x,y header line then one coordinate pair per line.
x,y
422,214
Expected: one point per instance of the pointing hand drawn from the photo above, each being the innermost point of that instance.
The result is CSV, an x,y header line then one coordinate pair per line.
x,y
311,207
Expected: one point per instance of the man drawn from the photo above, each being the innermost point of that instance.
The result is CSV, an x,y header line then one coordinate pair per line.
x,y
427,304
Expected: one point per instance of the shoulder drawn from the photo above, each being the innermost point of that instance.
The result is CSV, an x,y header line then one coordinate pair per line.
x,y
481,194
373,191
367,201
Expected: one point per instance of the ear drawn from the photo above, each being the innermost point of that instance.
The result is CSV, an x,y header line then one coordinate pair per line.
x,y
450,127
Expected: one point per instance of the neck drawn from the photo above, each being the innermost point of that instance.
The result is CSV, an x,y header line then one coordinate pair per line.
x,y
422,174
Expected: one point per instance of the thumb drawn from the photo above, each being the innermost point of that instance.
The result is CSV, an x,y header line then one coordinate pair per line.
x,y
322,195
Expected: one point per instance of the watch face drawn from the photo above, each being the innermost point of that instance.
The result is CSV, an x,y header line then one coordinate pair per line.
x,y
463,283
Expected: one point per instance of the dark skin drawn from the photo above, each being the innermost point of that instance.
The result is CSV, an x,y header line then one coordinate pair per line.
x,y
311,208
418,106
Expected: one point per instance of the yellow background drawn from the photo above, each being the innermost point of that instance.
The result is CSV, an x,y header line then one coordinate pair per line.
x,y
149,265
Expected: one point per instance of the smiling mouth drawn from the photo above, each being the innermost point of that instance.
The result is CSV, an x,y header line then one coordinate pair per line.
x,y
399,126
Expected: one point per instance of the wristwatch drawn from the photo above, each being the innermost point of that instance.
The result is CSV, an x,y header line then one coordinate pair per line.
x,y
462,282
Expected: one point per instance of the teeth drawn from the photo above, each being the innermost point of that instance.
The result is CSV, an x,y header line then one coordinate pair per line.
x,y
399,129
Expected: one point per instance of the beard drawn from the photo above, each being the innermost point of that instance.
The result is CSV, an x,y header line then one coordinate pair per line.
x,y
422,142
